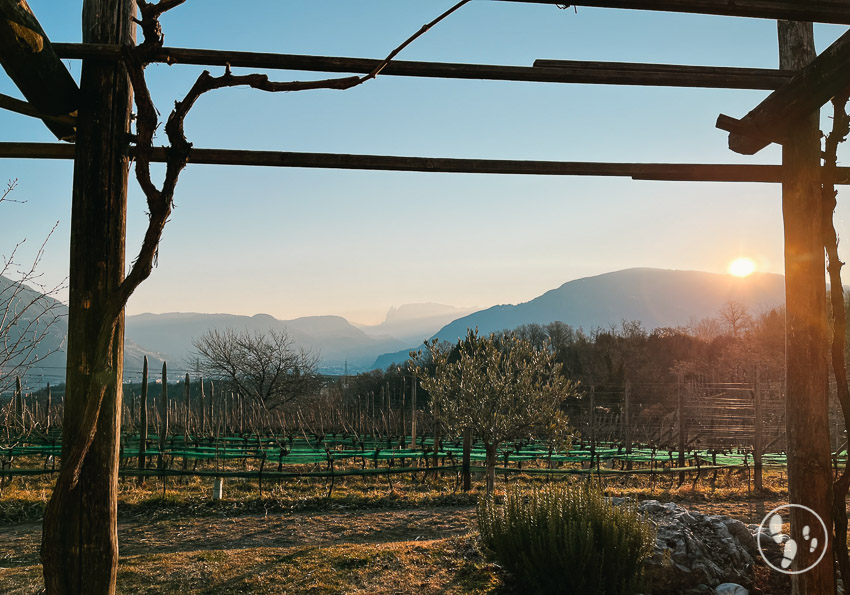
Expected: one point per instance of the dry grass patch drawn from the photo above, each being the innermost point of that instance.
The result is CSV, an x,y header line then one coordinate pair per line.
x,y
453,565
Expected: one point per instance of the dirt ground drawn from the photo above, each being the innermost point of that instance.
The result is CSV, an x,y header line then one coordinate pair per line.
x,y
206,539
368,550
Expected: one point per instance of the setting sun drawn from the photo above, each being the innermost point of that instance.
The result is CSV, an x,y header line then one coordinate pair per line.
x,y
741,267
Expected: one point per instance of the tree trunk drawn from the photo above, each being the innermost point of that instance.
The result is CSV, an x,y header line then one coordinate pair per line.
x,y
490,464
80,540
809,476
467,456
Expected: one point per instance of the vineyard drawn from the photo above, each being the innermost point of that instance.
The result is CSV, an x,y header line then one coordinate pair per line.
x,y
690,430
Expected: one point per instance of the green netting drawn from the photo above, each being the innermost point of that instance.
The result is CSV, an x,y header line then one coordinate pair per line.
x,y
311,450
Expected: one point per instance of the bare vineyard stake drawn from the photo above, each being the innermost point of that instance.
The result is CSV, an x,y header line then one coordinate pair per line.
x,y
163,426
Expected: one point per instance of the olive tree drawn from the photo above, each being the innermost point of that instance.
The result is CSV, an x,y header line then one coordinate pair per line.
x,y
501,388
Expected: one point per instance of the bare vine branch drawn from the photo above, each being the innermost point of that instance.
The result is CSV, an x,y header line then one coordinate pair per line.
x,y
840,130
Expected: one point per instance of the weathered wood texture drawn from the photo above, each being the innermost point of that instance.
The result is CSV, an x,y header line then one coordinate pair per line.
x,y
544,71
30,61
818,11
715,172
84,557
775,117
807,406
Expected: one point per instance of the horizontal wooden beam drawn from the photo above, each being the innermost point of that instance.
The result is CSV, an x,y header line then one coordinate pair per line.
x,y
22,107
641,171
674,75
544,71
30,61
815,11
814,85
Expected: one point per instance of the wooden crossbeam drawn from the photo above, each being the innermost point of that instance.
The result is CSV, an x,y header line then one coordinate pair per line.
x,y
672,75
544,71
22,107
770,121
685,172
812,11
30,61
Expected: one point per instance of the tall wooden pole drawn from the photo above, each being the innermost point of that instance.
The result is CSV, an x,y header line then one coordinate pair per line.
x,y
143,420
201,409
758,444
80,543
627,422
187,403
49,405
683,430
413,416
163,416
806,399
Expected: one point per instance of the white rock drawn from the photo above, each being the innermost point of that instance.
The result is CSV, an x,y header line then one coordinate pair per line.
x,y
730,589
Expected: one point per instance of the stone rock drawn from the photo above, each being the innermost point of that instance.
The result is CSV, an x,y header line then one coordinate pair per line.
x,y
696,553
730,589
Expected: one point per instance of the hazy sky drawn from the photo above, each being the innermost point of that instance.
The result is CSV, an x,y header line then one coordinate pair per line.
x,y
296,242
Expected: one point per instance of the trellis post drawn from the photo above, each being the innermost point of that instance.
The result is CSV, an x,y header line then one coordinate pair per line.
x,y
627,422
143,419
806,372
758,445
80,543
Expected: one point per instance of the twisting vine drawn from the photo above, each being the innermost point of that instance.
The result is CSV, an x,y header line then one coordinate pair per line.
x,y
840,130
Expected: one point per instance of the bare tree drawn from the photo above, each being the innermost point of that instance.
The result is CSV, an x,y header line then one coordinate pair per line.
x,y
705,329
267,367
27,313
736,317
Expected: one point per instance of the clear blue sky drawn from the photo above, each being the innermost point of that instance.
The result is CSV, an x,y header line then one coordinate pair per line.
x,y
292,242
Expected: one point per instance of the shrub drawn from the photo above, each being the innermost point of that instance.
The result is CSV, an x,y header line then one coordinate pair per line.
x,y
567,539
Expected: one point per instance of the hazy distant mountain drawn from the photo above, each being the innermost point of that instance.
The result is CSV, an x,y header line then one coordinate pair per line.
x,y
412,323
655,297
50,352
336,341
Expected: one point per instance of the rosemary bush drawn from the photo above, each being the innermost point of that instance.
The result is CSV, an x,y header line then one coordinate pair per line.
x,y
567,539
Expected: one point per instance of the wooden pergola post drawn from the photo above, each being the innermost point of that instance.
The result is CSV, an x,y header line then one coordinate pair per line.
x,y
80,545
806,399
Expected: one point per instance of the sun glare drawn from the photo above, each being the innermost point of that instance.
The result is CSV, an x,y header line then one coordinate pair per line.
x,y
741,267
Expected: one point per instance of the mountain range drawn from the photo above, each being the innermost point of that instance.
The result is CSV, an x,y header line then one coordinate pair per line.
x,y
655,297
335,340
49,353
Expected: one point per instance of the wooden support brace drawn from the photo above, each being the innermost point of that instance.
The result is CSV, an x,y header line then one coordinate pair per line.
x,y
813,11
30,61
668,75
680,172
22,107
543,71
770,121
